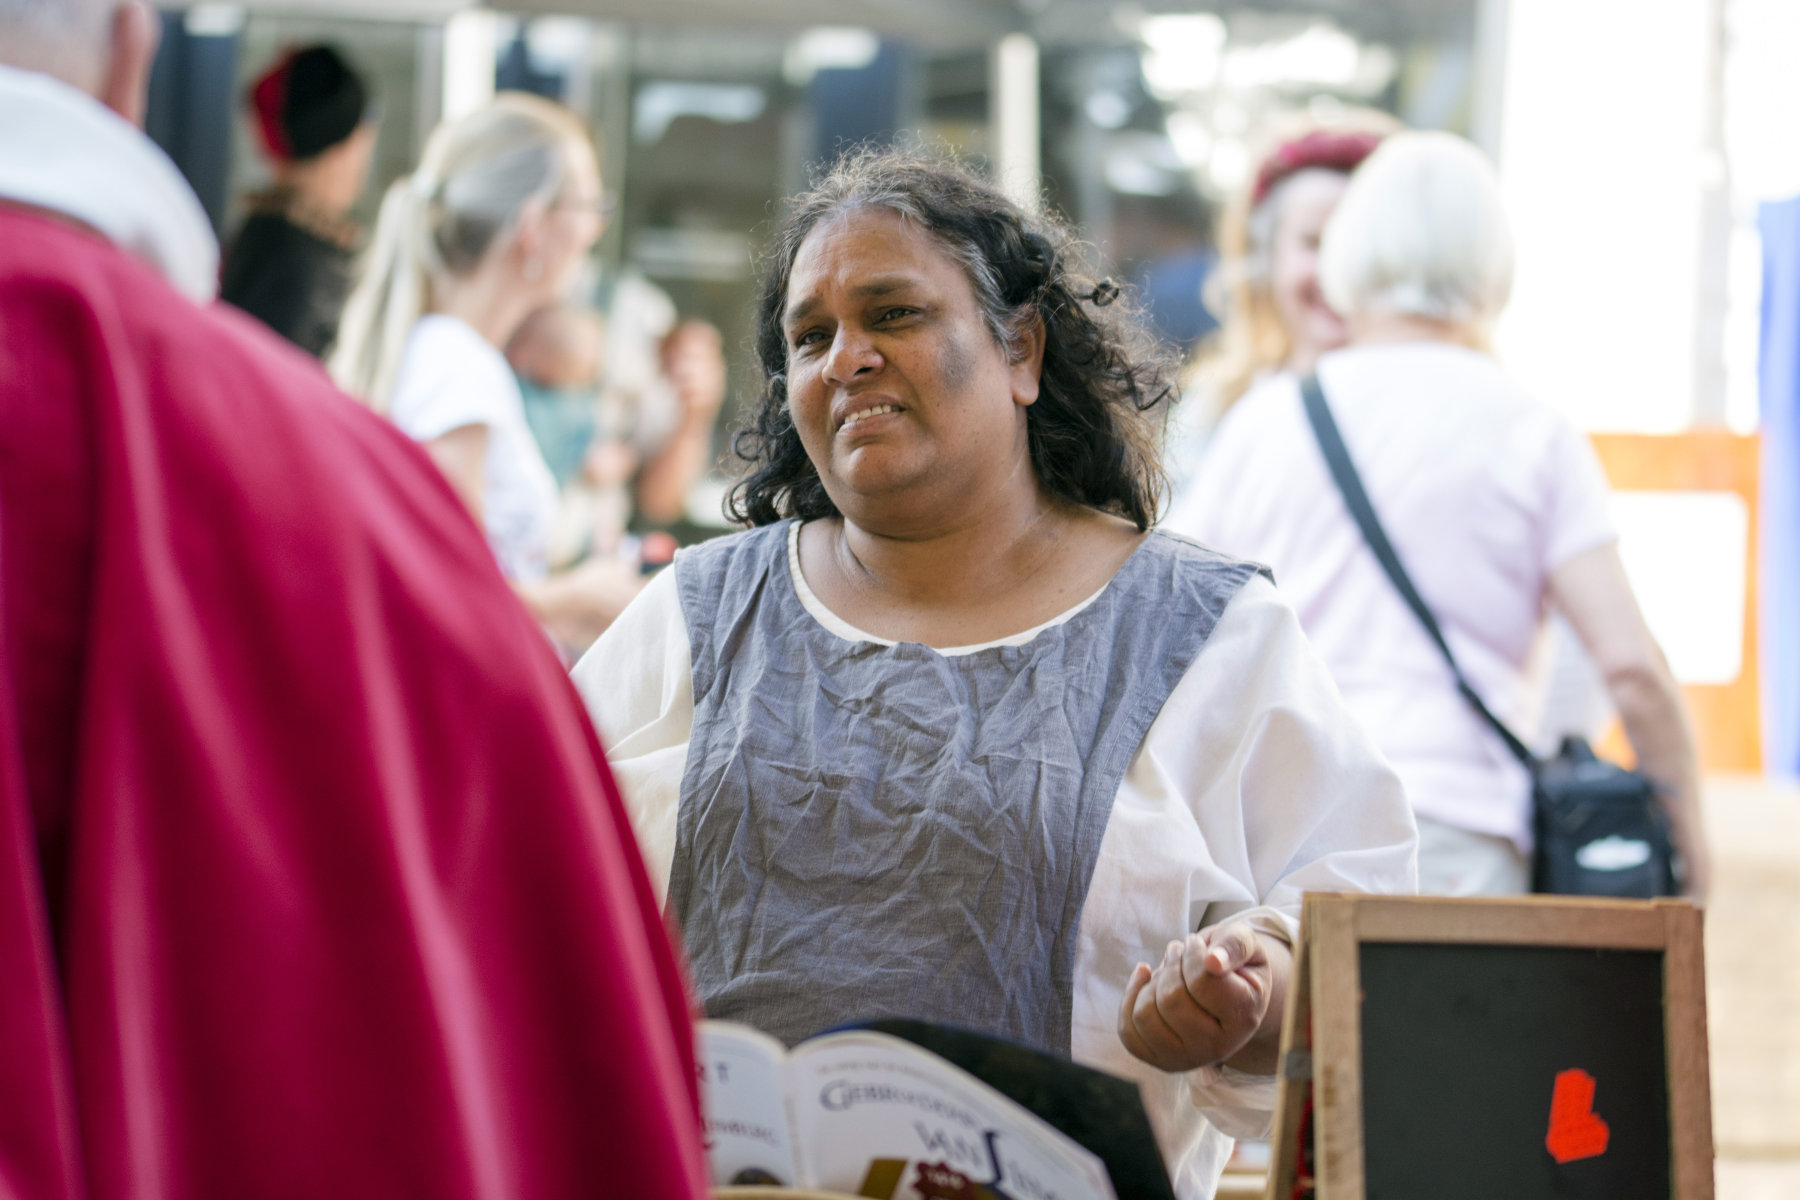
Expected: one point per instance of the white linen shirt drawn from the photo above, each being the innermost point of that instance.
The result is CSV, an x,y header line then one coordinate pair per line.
x,y
1252,786
450,377
1483,492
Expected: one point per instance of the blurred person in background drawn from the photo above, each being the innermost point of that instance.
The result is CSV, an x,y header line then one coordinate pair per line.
x,y
613,471
585,435
669,374
693,365
494,224
1276,321
558,354
1496,506
1167,239
289,266
313,881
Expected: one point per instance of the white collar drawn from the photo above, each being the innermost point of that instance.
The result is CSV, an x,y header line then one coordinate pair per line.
x,y
63,151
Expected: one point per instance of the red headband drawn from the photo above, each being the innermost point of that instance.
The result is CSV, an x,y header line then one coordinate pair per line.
x,y
1328,149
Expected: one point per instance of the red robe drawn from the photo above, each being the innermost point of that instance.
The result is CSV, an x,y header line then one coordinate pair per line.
x,y
313,881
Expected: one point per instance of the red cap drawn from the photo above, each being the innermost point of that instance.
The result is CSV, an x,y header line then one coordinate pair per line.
x,y
269,99
1329,149
308,101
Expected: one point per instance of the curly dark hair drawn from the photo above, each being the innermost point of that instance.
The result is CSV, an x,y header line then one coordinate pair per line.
x,y
1094,429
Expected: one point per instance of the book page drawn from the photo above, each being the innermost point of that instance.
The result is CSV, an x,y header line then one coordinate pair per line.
x,y
874,1116
746,1112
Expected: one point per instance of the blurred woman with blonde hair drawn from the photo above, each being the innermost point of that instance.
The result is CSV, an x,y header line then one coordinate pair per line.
x,y
1266,288
1494,504
494,224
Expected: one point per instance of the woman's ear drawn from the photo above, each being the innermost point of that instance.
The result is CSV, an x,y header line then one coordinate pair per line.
x,y
529,231
1027,353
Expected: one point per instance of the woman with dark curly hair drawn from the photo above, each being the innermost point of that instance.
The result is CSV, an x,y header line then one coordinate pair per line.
x,y
946,733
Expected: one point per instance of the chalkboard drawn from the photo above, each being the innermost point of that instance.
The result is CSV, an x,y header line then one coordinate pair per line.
x,y
1531,1049
1463,1047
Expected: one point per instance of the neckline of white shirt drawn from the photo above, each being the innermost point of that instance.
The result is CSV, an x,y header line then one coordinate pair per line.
x,y
839,627
456,327
1414,348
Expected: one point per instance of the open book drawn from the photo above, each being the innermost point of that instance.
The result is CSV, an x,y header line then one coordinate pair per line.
x,y
871,1114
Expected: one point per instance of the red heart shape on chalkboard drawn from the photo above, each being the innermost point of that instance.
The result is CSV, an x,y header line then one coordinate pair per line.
x,y
1576,1131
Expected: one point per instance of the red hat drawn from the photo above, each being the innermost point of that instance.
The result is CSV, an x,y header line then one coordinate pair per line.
x,y
1328,149
308,102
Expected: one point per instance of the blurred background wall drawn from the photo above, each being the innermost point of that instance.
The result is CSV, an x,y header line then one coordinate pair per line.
x,y
1647,149
1136,118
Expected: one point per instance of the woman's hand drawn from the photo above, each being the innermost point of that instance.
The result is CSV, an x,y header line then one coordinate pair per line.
x,y
1215,998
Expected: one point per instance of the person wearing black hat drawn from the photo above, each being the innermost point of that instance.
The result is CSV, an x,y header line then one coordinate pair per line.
x,y
290,264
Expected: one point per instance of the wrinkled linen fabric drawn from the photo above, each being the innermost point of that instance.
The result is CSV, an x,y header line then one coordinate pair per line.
x,y
872,831
1251,787
313,881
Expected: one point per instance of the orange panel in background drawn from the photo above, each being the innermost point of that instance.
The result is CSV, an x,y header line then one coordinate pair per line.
x,y
1727,716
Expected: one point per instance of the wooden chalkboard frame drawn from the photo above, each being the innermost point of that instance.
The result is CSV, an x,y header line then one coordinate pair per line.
x,y
1321,1037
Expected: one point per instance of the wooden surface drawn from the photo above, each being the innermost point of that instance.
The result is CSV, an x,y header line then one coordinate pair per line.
x,y
1240,1187
1727,717
1291,1094
1690,1083
1514,920
1337,1047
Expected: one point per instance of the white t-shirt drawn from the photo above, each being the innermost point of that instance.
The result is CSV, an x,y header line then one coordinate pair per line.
x,y
1252,786
1483,492
450,376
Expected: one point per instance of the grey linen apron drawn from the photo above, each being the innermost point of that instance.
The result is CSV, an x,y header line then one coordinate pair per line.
x,y
883,831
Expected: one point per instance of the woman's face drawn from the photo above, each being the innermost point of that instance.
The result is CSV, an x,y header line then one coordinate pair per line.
x,y
905,403
1307,200
573,222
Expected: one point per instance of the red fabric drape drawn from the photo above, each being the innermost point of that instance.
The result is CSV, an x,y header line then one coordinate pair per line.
x,y
313,882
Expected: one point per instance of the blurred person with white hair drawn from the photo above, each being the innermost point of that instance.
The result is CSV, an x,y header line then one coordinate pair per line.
x,y
1495,504
493,225
313,879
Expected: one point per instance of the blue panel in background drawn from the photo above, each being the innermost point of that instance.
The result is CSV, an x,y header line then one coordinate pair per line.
x,y
192,104
855,105
517,71
1779,385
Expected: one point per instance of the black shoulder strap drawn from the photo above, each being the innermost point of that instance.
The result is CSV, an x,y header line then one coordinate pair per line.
x,y
1331,444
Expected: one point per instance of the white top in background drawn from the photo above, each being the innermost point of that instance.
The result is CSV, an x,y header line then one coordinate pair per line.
x,y
450,376
1252,786
1483,492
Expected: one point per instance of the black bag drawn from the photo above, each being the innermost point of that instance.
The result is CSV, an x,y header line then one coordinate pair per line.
x,y
1599,828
